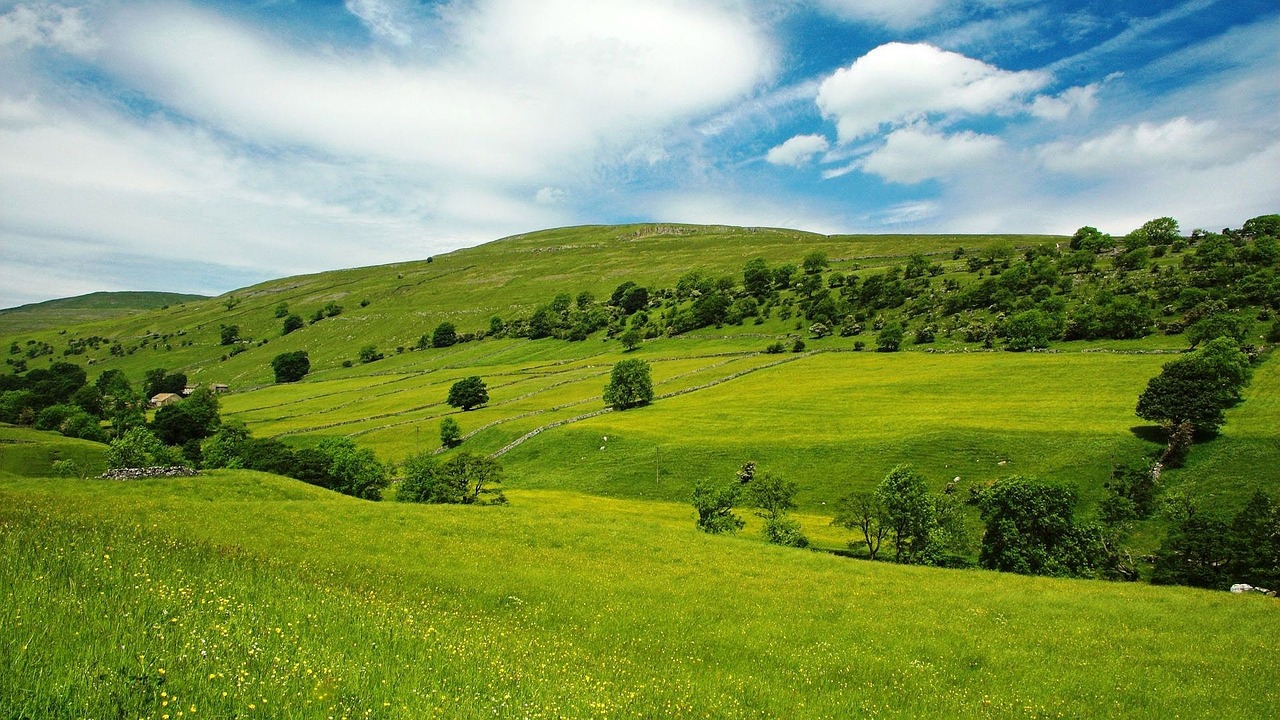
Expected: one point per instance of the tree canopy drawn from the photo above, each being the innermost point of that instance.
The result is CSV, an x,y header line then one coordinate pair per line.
x,y
630,385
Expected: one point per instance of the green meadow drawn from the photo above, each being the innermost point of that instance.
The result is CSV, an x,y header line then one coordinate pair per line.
x,y
238,594
592,594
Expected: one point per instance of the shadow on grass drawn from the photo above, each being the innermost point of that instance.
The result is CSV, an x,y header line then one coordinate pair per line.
x,y
1157,434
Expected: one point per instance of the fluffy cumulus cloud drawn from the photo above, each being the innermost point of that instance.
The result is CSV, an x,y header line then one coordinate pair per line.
x,y
915,154
1180,142
898,83
798,151
266,154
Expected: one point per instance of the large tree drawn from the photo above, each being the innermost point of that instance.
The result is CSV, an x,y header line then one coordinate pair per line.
x,y
1031,529
291,366
468,393
908,512
630,385
1197,388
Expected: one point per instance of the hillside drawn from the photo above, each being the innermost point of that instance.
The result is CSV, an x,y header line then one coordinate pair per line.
x,y
68,312
954,404
239,593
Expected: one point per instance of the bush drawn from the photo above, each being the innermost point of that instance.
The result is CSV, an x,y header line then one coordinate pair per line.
x,y
450,433
468,393
444,335
630,385
291,366
369,353
291,323
462,479
889,339
139,448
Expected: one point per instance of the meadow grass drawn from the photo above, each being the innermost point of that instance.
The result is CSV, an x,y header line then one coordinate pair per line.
x,y
242,595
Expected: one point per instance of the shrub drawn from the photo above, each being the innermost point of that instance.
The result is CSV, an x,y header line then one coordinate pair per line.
x,y
291,366
630,385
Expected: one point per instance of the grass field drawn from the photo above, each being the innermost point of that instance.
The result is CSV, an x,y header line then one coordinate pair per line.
x,y
245,595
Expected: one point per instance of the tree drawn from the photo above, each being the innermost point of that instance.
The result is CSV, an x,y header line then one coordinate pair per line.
x,y
889,339
291,323
757,279
1197,388
291,366
369,353
468,393
450,433
462,479
630,385
865,512
815,262
195,418
715,504
774,497
1196,552
444,335
1255,543
139,448
630,339
1028,330
159,381
226,448
908,512
351,470
230,334
1031,529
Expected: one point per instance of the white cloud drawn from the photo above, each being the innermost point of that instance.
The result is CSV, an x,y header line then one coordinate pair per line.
x,y
915,154
714,208
382,17
1176,143
797,151
42,24
895,14
523,90
551,196
1077,100
898,83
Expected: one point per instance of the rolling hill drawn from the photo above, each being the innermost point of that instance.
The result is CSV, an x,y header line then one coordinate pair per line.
x,y
239,593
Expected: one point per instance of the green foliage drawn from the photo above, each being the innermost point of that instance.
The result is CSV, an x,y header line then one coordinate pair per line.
x,y
815,262
369,353
445,335
1031,529
339,465
630,339
229,334
865,512
468,393
291,323
464,478
450,433
889,339
714,504
630,385
908,512
291,366
1029,330
70,469
160,380
1197,388
195,418
139,448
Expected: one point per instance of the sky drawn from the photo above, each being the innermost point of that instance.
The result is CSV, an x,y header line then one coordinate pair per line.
x,y
204,146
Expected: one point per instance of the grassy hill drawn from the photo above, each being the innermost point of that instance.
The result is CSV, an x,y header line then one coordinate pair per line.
x,y
831,419
242,594
66,312
592,594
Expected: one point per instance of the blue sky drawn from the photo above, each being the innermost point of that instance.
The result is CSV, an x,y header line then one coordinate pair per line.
x,y
202,146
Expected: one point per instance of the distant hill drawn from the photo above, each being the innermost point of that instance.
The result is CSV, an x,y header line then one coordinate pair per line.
x,y
64,312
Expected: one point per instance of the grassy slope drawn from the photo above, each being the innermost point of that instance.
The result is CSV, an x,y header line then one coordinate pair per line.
x,y
832,421
69,312
242,594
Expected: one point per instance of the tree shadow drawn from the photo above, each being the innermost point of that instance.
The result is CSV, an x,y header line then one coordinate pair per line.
x,y
1150,433
1157,434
